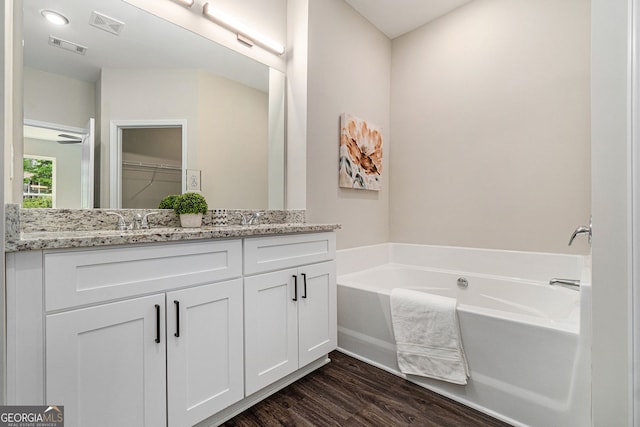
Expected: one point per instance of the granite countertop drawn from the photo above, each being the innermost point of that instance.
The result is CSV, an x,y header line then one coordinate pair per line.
x,y
91,238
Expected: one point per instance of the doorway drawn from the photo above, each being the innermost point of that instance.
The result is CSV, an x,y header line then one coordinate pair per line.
x,y
148,162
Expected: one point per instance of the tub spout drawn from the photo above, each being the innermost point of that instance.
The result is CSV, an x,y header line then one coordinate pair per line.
x,y
565,282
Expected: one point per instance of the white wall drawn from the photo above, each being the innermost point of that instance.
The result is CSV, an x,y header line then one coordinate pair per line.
x,y
227,128
490,122
232,140
297,103
348,71
58,99
610,91
5,121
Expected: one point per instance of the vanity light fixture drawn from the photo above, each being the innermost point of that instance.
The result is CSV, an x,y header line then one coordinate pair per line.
x,y
187,3
246,36
56,18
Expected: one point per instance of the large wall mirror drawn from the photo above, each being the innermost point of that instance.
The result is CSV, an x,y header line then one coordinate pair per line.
x,y
173,111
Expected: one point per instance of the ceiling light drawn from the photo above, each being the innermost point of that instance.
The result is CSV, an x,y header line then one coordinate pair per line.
x,y
247,34
55,18
187,3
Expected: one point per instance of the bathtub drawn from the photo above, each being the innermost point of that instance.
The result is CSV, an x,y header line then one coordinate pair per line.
x,y
527,342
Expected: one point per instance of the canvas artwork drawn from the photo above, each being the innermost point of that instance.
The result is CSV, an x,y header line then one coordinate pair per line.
x,y
360,154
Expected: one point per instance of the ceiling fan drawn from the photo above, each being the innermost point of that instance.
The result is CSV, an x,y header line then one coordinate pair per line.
x,y
70,139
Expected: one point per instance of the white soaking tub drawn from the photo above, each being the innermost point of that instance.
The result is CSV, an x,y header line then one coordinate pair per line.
x,y
527,342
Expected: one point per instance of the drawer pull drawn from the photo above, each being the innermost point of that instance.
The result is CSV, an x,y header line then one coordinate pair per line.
x,y
177,334
157,323
295,287
304,284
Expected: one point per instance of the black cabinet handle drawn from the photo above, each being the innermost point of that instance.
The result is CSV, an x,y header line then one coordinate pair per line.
x,y
304,282
157,323
177,303
295,287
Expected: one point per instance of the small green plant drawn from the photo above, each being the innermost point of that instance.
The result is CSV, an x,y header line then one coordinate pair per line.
x,y
37,202
168,202
190,203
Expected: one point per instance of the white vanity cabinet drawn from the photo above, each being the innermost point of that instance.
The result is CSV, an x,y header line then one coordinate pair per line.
x,y
105,366
290,313
140,336
170,333
205,369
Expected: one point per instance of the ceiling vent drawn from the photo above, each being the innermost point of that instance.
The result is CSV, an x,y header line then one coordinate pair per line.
x,y
106,23
67,45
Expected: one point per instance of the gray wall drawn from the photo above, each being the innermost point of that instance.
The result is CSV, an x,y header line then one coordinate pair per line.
x,y
348,73
490,122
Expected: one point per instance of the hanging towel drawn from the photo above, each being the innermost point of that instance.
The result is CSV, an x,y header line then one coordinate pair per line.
x,y
428,336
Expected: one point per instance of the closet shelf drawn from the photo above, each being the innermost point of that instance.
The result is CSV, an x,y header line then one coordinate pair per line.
x,y
147,165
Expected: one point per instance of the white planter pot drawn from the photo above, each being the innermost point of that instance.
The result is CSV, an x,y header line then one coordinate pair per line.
x,y
191,220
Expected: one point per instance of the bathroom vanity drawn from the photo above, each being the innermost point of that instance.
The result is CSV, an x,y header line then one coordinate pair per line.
x,y
171,333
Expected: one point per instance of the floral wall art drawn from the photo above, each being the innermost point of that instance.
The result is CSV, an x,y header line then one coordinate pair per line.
x,y
360,154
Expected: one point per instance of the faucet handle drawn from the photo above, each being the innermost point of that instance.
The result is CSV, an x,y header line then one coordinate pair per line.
x,y
255,219
122,223
582,230
145,221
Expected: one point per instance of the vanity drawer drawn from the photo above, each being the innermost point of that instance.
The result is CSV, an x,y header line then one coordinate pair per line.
x,y
262,254
79,277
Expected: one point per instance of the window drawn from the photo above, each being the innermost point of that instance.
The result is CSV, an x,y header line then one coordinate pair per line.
x,y
39,184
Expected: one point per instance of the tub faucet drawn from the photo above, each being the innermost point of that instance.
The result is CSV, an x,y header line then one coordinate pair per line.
x,y
570,283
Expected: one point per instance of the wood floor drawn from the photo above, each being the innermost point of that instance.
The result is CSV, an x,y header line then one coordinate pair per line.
x,y
347,392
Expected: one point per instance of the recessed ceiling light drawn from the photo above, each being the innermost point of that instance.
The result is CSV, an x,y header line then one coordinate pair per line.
x,y
54,17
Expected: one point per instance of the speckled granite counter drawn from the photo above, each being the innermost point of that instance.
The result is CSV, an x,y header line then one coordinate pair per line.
x,y
69,228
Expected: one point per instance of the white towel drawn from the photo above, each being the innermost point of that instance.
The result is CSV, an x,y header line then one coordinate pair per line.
x,y
428,336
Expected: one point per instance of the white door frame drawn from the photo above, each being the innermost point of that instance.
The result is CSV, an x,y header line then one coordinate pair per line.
x,y
115,158
634,200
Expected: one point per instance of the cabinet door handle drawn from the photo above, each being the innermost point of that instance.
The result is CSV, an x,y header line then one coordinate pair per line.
x,y
304,285
177,303
157,323
295,287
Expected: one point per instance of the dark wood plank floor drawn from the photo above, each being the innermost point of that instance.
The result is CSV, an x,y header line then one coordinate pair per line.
x,y
347,392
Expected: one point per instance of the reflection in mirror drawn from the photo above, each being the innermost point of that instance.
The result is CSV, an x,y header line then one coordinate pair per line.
x,y
66,181
117,63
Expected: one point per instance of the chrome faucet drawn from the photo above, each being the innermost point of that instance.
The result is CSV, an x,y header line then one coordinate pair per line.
x,y
582,230
251,219
138,222
122,223
565,282
145,221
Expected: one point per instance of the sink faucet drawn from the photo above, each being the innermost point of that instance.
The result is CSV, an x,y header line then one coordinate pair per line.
x,y
145,221
252,219
122,223
138,222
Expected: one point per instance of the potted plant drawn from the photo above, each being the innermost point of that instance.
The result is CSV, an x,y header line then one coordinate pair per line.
x,y
190,207
168,202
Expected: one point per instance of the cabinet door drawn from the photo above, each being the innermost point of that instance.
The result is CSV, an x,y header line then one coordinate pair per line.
x,y
107,364
271,331
204,351
317,321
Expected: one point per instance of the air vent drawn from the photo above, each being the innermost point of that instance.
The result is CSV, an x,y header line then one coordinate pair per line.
x,y
67,45
106,23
